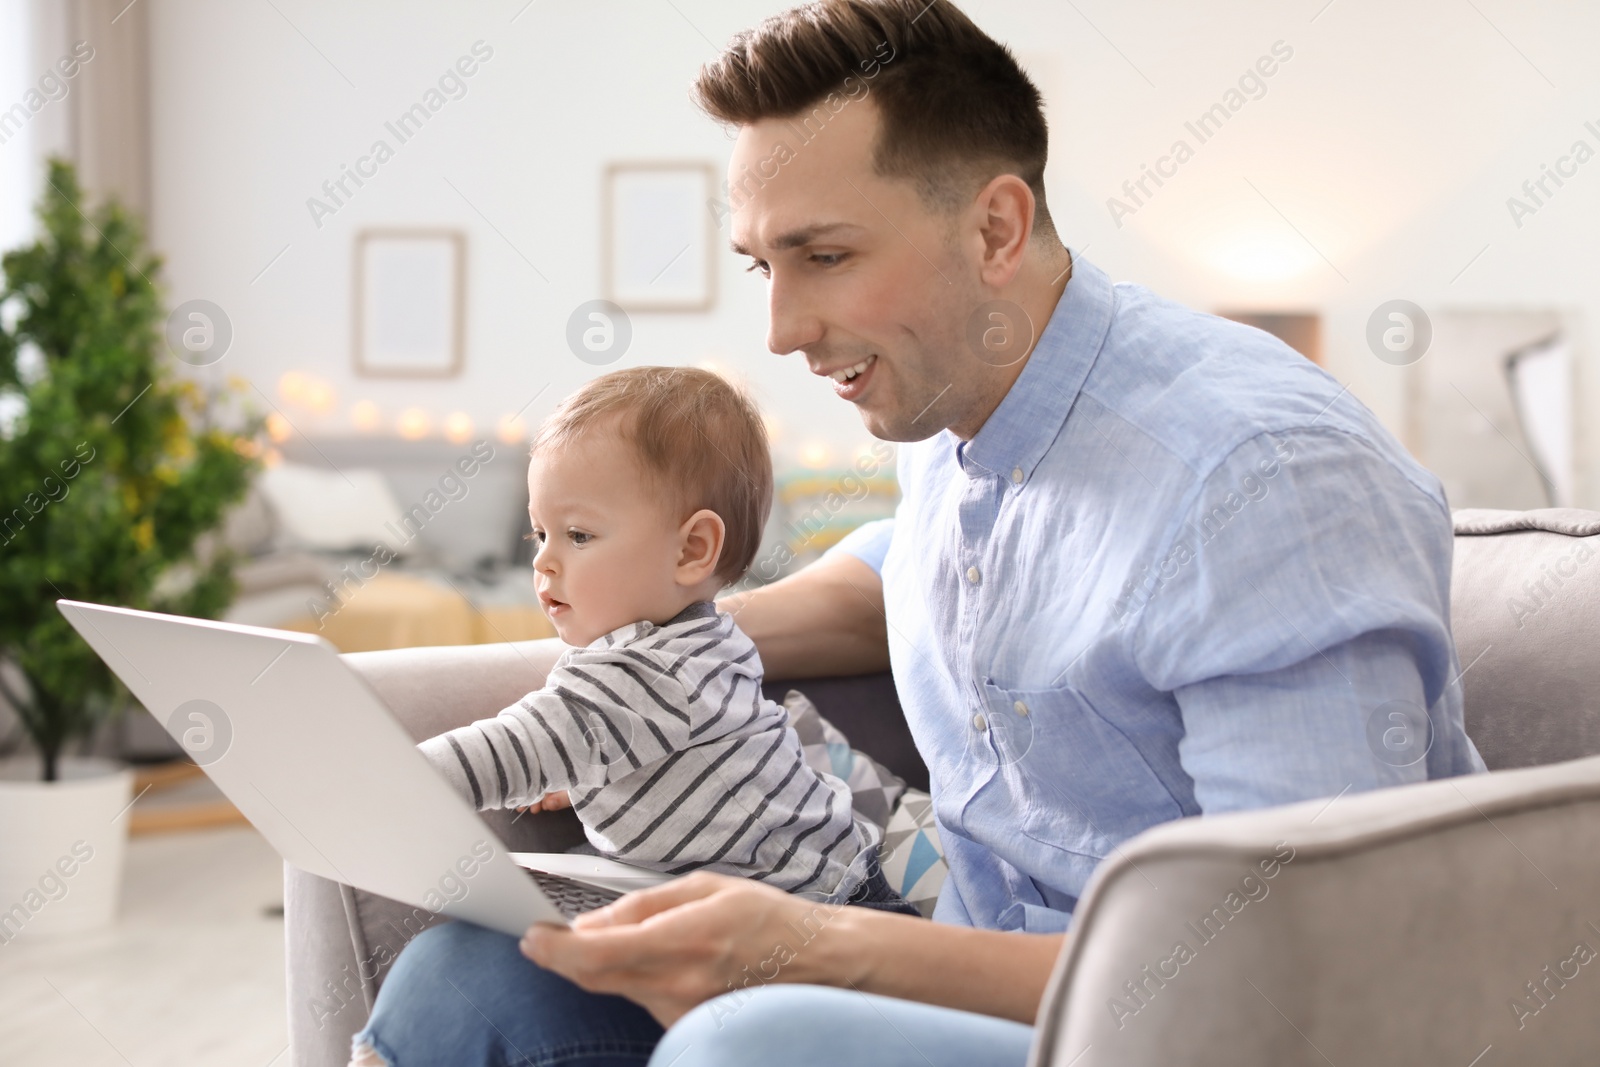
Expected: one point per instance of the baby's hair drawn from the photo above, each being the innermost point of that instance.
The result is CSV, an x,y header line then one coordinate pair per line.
x,y
698,433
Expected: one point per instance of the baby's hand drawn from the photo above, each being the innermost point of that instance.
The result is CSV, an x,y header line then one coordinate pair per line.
x,y
550,802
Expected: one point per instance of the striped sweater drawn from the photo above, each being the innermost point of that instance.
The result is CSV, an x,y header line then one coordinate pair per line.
x,y
673,758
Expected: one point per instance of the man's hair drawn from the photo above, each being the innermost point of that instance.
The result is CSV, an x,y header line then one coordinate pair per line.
x,y
955,107
697,437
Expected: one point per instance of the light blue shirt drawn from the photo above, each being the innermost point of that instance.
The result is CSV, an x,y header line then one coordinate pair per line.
x,y
1179,570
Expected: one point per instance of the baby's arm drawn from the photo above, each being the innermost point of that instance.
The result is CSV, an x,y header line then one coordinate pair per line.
x,y
578,732
493,763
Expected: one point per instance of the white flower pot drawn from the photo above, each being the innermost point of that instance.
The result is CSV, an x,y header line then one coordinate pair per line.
x,y
61,846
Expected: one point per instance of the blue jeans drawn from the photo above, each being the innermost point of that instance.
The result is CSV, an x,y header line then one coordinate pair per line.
x,y
807,1025
464,996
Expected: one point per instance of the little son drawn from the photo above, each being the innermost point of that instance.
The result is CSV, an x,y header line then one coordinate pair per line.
x,y
648,490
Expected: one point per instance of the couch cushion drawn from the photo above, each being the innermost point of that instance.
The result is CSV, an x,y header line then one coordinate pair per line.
x,y
1525,596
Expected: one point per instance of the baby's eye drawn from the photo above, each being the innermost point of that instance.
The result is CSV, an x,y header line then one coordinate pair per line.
x,y
537,535
579,538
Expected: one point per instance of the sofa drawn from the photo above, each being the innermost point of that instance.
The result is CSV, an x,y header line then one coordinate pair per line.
x,y
1450,922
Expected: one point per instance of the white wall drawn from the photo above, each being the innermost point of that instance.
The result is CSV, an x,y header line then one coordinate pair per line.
x,y
1387,144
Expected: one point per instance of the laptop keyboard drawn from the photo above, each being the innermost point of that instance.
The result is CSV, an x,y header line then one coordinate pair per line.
x,y
572,898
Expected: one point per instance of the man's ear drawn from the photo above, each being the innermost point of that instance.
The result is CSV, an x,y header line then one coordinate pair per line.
x,y
1005,211
700,539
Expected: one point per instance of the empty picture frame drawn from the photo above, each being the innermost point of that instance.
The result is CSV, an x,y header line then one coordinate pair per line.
x,y
410,290
657,236
1472,406
1300,330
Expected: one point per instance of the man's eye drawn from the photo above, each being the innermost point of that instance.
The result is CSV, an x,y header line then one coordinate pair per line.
x,y
579,538
759,265
829,259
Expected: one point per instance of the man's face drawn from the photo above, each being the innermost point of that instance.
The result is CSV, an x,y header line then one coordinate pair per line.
x,y
862,275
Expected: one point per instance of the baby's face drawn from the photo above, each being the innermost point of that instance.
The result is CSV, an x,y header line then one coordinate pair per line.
x,y
606,545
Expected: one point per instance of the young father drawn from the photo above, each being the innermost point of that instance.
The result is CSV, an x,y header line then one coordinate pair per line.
x,y
1148,564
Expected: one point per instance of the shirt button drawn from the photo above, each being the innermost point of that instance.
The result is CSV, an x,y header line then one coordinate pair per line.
x,y
1021,708
979,723
1016,475
973,575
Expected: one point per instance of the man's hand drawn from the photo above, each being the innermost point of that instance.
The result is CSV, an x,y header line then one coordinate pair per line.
x,y
673,946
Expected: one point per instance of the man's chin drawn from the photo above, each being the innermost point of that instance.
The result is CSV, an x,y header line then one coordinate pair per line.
x,y
898,426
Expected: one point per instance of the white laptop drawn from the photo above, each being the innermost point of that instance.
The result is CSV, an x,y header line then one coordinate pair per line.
x,y
309,754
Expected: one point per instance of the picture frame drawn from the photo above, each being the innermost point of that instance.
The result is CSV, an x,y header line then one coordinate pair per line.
x,y
409,315
658,237
1466,422
1300,330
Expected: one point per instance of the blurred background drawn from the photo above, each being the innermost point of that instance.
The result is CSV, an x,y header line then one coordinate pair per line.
x,y
397,234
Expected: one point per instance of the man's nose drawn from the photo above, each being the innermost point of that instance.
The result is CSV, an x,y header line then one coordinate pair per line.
x,y
793,325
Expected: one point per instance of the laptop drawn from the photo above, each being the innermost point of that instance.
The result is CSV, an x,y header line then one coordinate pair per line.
x,y
308,753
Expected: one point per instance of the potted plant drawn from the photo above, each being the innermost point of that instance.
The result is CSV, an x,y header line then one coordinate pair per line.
x,y
114,470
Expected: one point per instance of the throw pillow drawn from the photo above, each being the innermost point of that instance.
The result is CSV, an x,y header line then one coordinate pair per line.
x,y
332,510
874,788
911,855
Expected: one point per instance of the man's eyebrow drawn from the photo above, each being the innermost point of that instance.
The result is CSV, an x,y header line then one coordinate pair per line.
x,y
799,238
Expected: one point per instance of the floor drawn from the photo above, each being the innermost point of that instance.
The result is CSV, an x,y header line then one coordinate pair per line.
x,y
191,973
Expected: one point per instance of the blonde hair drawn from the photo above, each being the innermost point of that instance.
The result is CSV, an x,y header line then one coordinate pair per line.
x,y
700,433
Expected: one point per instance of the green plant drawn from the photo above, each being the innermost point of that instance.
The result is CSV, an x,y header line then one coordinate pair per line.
x,y
112,468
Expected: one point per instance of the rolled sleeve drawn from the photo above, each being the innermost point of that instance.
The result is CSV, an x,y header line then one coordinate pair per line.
x,y
1302,627
1251,741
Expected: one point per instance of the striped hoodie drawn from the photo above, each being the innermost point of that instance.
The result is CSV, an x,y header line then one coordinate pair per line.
x,y
673,757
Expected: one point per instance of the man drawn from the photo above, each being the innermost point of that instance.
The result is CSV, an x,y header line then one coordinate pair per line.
x,y
1148,564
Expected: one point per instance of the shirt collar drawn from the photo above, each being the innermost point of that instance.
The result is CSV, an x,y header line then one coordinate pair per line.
x,y
633,631
700,609
1029,417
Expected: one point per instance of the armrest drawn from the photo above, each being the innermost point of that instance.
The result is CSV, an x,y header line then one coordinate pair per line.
x,y
340,941
431,690
1403,927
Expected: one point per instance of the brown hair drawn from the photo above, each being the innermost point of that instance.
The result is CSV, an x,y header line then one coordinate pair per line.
x,y
956,109
699,433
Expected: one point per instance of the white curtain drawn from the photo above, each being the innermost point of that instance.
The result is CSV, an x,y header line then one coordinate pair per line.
x,y
74,82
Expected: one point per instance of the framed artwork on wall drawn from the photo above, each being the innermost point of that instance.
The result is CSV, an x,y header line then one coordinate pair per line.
x,y
410,303
1300,330
658,236
1489,407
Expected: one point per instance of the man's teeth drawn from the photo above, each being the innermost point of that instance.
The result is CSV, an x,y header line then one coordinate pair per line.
x,y
850,372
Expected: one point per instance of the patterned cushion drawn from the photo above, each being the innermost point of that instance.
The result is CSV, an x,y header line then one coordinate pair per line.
x,y
873,786
911,854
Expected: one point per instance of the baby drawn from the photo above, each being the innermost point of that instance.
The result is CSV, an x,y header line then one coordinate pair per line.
x,y
648,490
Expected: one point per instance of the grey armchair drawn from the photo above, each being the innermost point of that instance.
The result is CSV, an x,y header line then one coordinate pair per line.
x,y
1453,922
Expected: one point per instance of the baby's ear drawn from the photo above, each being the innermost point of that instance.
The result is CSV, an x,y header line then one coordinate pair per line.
x,y
701,538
